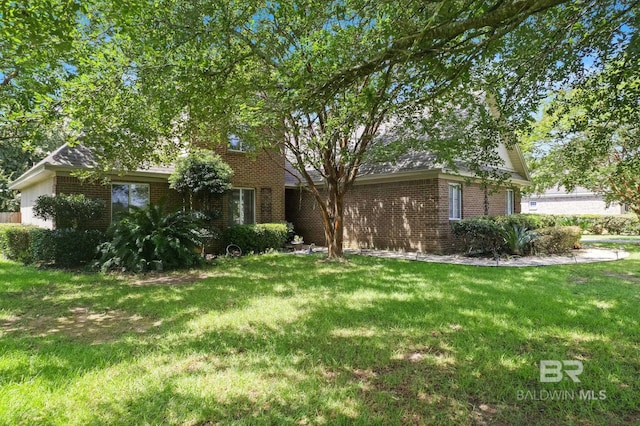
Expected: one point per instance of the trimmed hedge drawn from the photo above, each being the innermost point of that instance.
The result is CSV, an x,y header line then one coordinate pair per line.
x,y
15,242
65,247
480,234
257,238
592,223
557,240
69,211
527,221
62,247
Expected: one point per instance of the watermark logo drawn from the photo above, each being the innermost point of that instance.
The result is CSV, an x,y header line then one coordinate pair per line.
x,y
552,371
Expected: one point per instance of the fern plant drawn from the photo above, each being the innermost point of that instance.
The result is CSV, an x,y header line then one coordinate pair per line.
x,y
149,235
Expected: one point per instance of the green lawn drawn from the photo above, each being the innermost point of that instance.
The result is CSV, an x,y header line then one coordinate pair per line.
x,y
280,339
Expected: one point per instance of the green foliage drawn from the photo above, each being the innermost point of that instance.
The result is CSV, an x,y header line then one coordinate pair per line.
x,y
622,225
36,39
593,223
320,78
16,157
282,339
15,242
479,235
66,247
69,211
515,234
291,233
518,239
323,79
557,240
149,237
594,140
257,238
528,221
500,234
583,222
202,175
60,247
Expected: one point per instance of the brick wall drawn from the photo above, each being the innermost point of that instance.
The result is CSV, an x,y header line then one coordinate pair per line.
x,y
255,171
411,215
262,172
303,211
157,190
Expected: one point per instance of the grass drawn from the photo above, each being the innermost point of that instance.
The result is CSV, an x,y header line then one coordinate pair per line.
x,y
609,237
279,339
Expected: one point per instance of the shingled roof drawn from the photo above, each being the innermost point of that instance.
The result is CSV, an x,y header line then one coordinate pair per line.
x,y
408,164
79,157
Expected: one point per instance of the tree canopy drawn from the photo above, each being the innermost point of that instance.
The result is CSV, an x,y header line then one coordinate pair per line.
x,y
324,80
591,135
36,45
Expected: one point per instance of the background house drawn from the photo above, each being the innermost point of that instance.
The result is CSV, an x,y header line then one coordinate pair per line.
x,y
257,195
578,201
408,204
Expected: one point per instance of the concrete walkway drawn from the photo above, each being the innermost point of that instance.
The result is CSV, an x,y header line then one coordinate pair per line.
x,y
587,255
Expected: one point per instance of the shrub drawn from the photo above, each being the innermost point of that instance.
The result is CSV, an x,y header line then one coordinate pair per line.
x,y
480,235
524,221
257,238
558,239
583,222
518,239
148,236
203,176
69,211
65,247
619,225
15,242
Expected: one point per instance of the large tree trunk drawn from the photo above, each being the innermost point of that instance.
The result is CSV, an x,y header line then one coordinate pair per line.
x,y
332,218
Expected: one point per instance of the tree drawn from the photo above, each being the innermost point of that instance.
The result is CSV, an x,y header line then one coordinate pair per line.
x,y
591,135
16,157
201,177
35,58
322,80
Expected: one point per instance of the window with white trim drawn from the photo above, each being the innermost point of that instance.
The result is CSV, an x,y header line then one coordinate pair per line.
x,y
124,196
510,202
237,144
533,205
455,201
242,206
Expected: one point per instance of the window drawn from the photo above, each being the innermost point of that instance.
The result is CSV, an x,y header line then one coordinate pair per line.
x,y
237,144
241,206
455,201
127,195
533,205
510,202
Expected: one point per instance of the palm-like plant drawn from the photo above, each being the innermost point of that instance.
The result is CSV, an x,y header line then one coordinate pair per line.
x,y
518,238
150,235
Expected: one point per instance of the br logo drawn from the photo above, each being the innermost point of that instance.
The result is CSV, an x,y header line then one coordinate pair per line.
x,y
552,371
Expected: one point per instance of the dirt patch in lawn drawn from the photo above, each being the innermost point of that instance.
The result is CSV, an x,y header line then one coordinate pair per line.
x,y
81,323
181,278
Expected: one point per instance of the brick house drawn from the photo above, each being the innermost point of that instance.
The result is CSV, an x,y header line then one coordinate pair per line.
x,y
409,204
257,195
